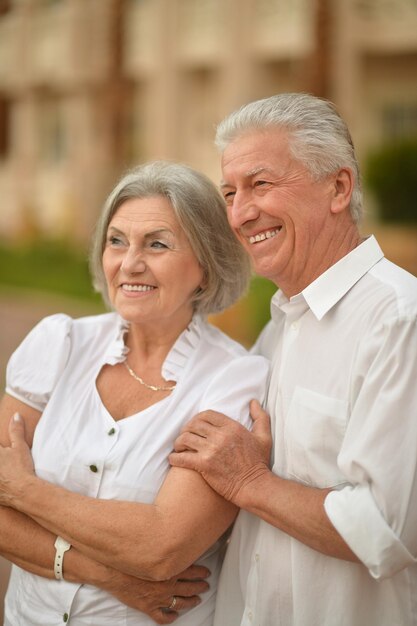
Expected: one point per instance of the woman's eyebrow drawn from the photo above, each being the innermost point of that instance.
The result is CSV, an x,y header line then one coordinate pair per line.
x,y
157,232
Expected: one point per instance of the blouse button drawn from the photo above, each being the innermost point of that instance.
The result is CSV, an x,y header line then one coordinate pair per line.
x,y
65,617
111,431
94,468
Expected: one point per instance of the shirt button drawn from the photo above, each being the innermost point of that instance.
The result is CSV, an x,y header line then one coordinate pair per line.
x,y
257,557
250,615
111,431
65,617
294,325
94,468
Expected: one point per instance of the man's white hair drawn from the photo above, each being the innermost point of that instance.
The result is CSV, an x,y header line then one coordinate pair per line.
x,y
318,137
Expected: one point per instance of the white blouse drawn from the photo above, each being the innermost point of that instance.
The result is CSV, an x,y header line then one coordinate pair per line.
x,y
78,445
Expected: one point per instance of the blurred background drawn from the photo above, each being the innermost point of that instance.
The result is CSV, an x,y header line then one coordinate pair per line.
x,y
89,88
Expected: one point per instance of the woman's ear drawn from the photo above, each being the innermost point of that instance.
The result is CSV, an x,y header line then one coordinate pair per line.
x,y
343,188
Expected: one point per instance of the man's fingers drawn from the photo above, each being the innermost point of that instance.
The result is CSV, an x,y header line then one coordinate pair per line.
x,y
189,441
184,459
201,420
261,421
16,430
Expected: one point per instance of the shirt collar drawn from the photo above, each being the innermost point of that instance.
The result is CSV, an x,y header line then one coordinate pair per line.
x,y
330,287
177,357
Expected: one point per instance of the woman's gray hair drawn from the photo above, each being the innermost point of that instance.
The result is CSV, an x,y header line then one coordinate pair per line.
x,y
201,212
318,137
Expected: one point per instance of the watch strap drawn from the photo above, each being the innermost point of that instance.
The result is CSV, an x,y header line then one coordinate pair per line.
x,y
61,546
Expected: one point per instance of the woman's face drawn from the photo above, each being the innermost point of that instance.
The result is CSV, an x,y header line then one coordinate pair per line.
x,y
150,268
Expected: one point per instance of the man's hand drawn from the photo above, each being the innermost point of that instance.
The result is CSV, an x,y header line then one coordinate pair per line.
x,y
15,461
155,598
224,452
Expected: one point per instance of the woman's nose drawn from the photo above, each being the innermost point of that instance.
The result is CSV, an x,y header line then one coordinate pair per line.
x,y
133,262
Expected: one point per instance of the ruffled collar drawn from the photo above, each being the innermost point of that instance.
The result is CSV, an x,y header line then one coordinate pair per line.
x,y
176,358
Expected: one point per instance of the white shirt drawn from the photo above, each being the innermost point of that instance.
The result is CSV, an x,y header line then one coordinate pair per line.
x,y
343,397
79,446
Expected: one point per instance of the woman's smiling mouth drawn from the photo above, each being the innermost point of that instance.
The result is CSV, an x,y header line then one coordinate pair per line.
x,y
127,287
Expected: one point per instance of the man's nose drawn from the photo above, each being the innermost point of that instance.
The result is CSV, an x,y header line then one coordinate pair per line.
x,y
241,209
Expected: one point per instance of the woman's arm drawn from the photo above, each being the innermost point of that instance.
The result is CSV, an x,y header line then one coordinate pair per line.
x,y
26,544
153,541
31,547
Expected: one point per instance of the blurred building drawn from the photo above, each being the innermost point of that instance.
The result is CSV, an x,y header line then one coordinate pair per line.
x,y
90,87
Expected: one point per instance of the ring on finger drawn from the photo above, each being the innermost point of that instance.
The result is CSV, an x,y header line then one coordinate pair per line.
x,y
173,603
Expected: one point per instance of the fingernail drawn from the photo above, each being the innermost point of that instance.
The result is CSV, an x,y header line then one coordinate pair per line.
x,y
17,417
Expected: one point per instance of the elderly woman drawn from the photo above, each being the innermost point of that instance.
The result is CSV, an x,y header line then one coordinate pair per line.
x,y
101,400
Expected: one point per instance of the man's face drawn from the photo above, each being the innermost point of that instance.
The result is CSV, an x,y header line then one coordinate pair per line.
x,y
278,212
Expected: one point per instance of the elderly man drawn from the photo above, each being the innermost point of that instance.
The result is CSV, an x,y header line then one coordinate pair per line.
x,y
328,536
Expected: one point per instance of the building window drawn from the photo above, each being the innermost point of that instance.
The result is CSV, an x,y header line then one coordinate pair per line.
x,y
5,6
5,122
400,120
53,139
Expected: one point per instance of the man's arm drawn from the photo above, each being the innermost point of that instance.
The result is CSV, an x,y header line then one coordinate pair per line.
x,y
235,463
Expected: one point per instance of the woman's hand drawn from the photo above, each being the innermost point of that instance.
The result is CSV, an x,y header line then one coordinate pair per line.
x,y
15,461
155,598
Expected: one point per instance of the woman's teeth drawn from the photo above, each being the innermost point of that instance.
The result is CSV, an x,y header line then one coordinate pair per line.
x,y
138,287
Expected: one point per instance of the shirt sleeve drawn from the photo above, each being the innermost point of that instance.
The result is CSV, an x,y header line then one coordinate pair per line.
x,y
233,387
36,365
376,512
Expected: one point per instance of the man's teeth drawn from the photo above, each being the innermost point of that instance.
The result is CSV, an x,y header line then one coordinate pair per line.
x,y
262,236
137,287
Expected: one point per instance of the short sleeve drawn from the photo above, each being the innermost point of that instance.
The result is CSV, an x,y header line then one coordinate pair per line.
x,y
36,365
233,387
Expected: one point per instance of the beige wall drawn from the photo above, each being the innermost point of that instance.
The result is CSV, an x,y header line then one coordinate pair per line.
x,y
96,92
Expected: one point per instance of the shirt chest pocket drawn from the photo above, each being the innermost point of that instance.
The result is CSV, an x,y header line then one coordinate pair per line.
x,y
314,431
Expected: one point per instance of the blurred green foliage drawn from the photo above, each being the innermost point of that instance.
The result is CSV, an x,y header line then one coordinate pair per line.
x,y
391,174
47,265
259,302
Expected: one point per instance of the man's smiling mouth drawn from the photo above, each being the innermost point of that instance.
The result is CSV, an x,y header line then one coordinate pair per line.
x,y
268,234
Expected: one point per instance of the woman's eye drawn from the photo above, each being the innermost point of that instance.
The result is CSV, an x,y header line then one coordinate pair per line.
x,y
114,241
158,245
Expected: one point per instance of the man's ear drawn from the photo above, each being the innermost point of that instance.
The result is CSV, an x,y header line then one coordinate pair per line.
x,y
343,188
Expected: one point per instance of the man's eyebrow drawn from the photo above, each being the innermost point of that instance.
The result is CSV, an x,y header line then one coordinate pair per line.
x,y
258,170
249,174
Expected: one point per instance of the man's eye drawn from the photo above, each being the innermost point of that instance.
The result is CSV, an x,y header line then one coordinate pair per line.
x,y
259,183
228,195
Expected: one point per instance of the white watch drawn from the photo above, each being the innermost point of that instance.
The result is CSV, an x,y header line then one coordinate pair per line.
x,y
61,547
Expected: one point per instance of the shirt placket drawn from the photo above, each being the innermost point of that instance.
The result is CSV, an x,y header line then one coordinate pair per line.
x,y
97,466
290,322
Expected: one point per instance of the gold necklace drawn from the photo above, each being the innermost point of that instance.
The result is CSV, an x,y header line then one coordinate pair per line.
x,y
142,382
